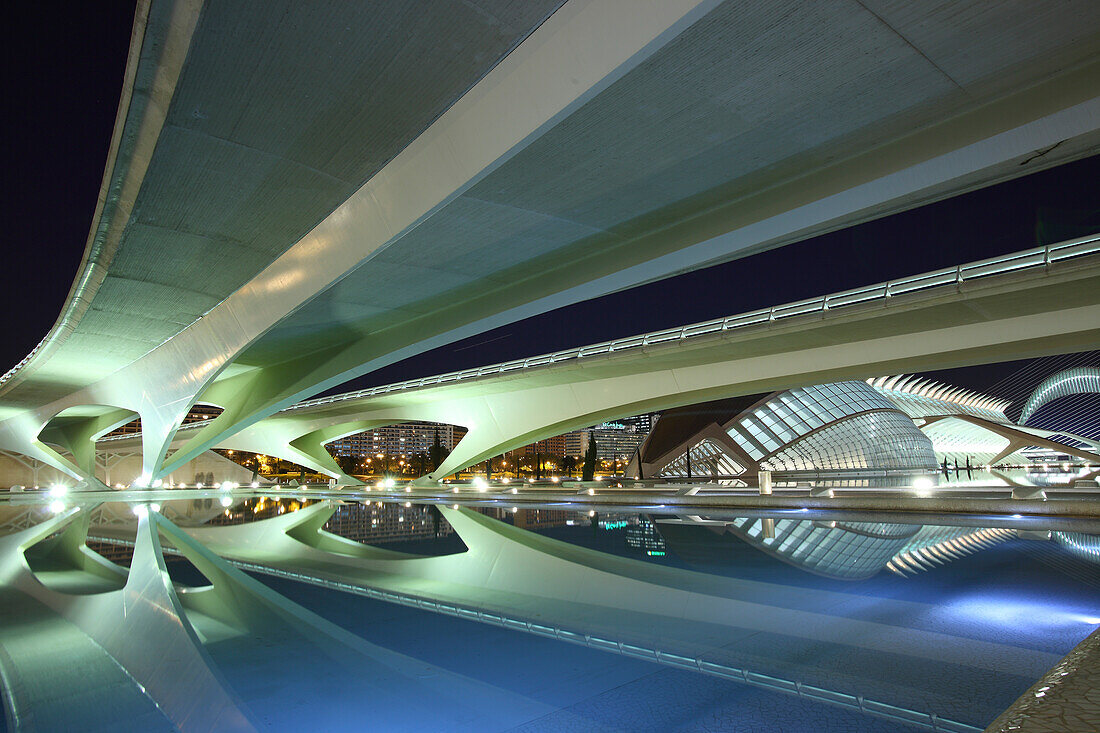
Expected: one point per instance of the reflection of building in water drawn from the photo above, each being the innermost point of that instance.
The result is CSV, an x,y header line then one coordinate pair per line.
x,y
847,551
379,522
644,537
541,518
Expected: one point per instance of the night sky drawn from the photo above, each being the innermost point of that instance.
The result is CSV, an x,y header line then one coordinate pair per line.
x,y
63,68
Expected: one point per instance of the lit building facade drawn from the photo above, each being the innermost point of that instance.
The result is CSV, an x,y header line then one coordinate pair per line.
x,y
395,440
827,427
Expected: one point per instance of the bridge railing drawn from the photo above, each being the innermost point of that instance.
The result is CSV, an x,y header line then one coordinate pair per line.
x,y
1039,257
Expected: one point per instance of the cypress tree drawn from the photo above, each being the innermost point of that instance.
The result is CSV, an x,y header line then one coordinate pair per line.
x,y
588,469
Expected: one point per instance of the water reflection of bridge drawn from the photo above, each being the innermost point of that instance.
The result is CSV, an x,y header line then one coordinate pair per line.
x,y
896,659
750,632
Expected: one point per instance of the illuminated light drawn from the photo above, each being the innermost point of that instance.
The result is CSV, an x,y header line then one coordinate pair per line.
x,y
255,484
455,489
226,501
408,504
554,479
591,514
198,485
155,507
515,509
504,480
57,507
1017,516
141,511
530,480
408,489
515,491
454,506
389,483
591,492
58,490
922,482
157,484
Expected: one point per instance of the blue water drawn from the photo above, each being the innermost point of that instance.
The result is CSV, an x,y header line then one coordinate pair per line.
x,y
1025,594
592,690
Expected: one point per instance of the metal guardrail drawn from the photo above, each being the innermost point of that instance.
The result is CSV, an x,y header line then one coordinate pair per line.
x,y
1030,259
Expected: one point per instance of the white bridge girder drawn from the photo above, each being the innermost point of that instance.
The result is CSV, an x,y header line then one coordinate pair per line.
x,y
576,54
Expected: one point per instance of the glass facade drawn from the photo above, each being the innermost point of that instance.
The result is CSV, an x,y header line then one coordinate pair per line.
x,y
707,459
787,416
955,439
871,440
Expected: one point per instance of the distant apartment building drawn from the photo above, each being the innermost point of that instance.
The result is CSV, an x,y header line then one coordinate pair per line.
x,y
617,439
555,446
396,440
620,439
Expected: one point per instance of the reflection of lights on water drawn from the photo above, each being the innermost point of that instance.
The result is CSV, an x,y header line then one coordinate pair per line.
x,y
226,501
1022,615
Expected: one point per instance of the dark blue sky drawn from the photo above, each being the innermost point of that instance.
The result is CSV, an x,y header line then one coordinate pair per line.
x,y
63,68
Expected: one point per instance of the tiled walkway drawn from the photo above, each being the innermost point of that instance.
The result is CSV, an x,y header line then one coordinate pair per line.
x,y
1065,700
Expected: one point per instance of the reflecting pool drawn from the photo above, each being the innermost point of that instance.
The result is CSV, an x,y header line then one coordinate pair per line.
x,y
400,615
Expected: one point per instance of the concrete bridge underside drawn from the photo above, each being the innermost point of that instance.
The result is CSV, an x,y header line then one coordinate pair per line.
x,y
1006,317
524,138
